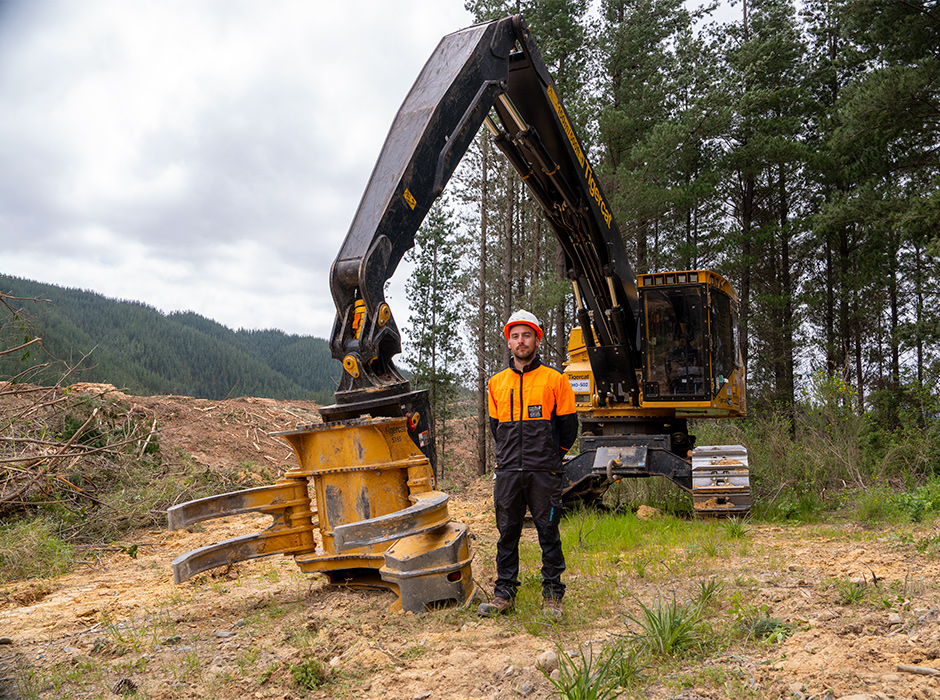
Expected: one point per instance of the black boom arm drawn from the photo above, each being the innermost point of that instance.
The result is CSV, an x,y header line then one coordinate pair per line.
x,y
491,67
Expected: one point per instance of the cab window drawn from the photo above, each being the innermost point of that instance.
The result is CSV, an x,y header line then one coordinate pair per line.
x,y
676,355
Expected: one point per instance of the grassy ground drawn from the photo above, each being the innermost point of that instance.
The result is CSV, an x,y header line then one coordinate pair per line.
x,y
656,608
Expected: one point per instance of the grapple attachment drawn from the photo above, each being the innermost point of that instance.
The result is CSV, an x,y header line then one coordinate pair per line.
x,y
361,509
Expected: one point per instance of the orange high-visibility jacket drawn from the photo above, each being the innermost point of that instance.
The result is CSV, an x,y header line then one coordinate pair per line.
x,y
532,417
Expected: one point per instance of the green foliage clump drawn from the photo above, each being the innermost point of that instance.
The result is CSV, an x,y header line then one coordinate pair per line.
x,y
30,548
876,505
735,528
826,454
666,629
707,591
309,674
851,592
770,629
921,502
595,676
802,507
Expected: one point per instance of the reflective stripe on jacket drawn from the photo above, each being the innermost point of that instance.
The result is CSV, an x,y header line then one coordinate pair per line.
x,y
532,417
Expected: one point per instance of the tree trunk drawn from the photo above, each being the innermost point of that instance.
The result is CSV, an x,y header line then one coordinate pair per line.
x,y
507,257
747,220
786,277
482,330
561,341
844,331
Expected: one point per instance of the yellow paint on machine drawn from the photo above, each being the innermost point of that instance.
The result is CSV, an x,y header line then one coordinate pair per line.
x,y
579,154
375,495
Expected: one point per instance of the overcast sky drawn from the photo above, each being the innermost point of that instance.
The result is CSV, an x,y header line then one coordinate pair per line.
x,y
205,156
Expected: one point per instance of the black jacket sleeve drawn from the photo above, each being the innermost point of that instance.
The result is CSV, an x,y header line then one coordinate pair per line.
x,y
567,431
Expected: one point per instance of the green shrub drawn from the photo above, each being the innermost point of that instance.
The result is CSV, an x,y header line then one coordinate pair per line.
x,y
920,502
876,505
822,454
706,593
735,528
803,507
851,592
771,629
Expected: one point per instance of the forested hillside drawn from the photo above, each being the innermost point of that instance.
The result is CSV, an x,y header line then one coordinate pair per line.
x,y
137,348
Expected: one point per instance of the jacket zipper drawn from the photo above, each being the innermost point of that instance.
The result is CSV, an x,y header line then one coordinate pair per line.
x,y
521,425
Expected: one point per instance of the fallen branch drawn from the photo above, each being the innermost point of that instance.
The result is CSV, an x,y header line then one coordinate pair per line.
x,y
87,451
30,441
27,390
32,460
20,347
84,493
377,645
143,449
919,670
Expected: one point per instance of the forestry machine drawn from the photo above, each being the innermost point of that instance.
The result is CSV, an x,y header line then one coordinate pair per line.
x,y
648,353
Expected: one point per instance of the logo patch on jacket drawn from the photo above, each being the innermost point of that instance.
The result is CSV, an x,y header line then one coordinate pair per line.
x,y
535,411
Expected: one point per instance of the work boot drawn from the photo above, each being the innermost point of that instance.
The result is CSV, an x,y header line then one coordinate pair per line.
x,y
552,607
499,606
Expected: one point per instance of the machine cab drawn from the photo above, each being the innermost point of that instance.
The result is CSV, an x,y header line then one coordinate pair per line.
x,y
690,353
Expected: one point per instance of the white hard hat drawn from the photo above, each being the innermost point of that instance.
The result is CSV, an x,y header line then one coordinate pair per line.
x,y
525,318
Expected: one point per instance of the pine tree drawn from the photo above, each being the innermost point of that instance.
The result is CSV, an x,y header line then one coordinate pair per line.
x,y
435,349
767,176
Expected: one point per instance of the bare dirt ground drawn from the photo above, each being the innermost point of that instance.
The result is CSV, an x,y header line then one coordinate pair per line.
x,y
117,625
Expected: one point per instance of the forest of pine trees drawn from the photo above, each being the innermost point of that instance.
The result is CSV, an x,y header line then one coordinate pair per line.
x,y
793,148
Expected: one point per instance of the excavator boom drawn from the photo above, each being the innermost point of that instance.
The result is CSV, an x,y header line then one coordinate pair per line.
x,y
492,67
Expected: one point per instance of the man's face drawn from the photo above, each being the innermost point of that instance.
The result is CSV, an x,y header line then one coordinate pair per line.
x,y
523,343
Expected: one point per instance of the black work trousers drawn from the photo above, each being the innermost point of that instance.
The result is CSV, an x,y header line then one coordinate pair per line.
x,y
540,491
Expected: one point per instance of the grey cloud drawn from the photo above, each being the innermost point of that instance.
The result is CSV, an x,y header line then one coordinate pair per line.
x,y
260,145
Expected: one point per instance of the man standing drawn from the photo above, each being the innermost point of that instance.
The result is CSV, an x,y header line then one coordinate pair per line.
x,y
533,420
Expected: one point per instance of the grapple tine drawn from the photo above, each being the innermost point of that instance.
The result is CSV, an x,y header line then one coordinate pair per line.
x,y
264,499
260,544
287,501
428,513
